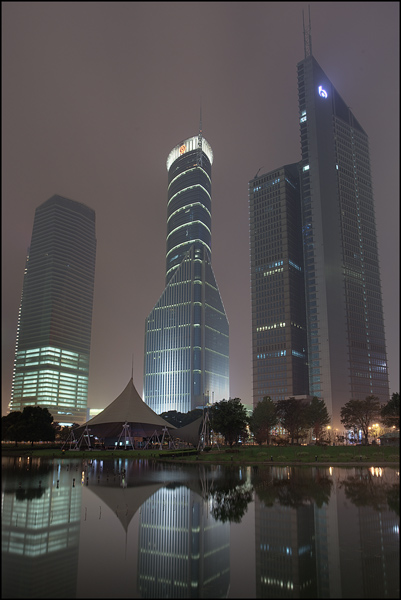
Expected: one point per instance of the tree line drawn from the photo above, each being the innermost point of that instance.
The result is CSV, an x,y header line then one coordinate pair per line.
x,y
299,417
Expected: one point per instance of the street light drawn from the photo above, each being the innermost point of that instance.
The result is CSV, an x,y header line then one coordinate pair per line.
x,y
328,433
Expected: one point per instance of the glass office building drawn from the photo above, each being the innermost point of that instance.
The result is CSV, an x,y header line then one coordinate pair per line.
x,y
345,326
186,334
279,356
51,367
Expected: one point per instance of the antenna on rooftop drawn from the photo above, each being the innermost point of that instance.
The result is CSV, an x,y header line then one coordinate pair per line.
x,y
132,371
258,172
307,35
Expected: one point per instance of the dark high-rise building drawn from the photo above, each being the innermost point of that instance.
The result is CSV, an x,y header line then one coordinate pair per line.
x,y
346,350
346,341
186,334
279,356
51,367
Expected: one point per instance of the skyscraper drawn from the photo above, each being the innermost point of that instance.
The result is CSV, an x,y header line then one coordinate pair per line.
x,y
51,367
346,350
186,334
345,326
279,356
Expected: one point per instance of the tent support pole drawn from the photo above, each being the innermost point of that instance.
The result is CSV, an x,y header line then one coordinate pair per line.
x,y
84,435
204,432
71,440
126,431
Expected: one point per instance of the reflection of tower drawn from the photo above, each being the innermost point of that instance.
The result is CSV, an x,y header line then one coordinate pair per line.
x,y
186,334
370,539
285,551
380,568
41,523
183,551
292,545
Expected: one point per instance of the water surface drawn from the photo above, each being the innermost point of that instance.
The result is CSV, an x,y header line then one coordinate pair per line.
x,y
75,528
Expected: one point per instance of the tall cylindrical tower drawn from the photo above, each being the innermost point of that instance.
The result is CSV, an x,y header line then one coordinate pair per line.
x,y
186,333
189,218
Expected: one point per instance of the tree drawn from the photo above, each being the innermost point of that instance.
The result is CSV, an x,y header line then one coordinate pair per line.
x,y
229,418
360,414
263,419
62,433
12,427
390,413
38,424
317,416
293,417
32,425
179,419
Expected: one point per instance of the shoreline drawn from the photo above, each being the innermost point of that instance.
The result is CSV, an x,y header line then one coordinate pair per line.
x,y
212,458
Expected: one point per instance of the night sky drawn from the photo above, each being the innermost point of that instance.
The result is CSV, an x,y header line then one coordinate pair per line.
x,y
94,97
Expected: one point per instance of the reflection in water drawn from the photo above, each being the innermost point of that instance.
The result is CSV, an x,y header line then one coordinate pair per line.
x,y
40,529
368,487
311,543
318,532
293,487
371,540
231,496
183,551
287,502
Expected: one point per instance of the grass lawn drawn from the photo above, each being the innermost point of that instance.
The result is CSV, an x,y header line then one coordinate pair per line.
x,y
245,455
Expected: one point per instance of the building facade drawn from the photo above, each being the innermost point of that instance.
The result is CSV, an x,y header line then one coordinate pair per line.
x,y
51,367
315,263
186,334
279,353
346,341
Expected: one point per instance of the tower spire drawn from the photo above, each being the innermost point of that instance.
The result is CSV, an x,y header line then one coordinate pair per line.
x,y
199,158
307,35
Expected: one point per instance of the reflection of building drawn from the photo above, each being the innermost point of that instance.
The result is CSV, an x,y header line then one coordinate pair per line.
x,y
285,549
40,528
277,286
186,334
183,551
54,329
327,533
370,540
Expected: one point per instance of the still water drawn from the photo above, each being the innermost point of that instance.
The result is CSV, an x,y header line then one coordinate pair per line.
x,y
119,528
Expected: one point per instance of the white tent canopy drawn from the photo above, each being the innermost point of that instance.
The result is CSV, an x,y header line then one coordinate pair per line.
x,y
127,409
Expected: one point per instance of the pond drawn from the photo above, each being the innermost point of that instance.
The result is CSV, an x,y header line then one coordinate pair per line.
x,y
120,528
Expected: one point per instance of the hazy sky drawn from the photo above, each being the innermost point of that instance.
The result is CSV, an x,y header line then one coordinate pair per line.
x,y
94,97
